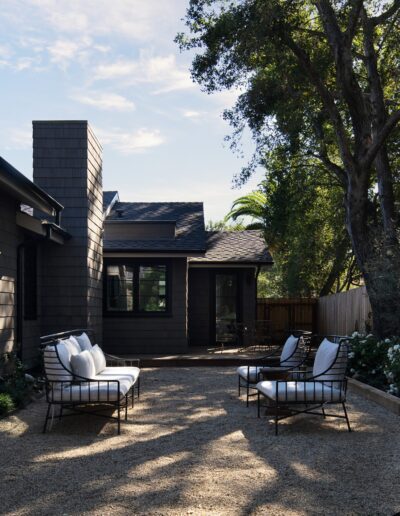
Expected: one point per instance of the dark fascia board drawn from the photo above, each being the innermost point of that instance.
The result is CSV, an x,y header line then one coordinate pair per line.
x,y
138,222
204,263
187,252
23,189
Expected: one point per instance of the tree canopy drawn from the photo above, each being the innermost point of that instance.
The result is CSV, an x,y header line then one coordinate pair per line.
x,y
319,79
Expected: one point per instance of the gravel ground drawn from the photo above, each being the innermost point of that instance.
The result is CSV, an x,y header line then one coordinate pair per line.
x,y
191,447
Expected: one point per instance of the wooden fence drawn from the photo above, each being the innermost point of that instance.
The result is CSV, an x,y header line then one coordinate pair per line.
x,y
337,314
344,313
282,315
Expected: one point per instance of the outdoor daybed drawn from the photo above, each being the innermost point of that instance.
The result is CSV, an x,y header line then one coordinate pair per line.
x,y
78,375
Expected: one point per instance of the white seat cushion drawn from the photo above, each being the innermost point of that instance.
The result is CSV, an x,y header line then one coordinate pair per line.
x,y
310,392
92,392
249,373
95,392
117,373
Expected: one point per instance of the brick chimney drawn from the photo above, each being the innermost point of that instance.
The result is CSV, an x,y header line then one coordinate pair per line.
x,y
67,164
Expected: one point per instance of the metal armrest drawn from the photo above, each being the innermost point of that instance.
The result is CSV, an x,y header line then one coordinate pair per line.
x,y
113,360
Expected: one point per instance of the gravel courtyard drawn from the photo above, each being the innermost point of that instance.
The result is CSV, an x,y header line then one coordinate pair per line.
x,y
192,447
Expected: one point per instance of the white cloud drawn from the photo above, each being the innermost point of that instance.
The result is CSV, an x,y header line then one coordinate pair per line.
x,y
193,114
162,71
20,138
138,141
132,19
105,101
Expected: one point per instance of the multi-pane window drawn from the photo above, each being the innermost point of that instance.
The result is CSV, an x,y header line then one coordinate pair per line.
x,y
152,288
136,288
119,288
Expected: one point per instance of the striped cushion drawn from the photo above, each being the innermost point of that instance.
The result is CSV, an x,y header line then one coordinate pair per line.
x,y
53,363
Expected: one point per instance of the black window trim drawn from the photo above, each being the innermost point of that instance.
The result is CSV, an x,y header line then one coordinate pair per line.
x,y
136,263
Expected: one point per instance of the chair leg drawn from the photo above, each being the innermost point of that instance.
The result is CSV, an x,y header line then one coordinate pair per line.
x,y
138,387
126,407
346,416
323,412
258,403
47,418
119,417
247,392
133,396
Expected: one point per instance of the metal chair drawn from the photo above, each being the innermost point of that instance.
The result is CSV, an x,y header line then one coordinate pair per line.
x,y
282,358
304,392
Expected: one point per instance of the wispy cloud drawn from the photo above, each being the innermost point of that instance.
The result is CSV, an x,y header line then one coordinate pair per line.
x,y
161,71
20,138
193,115
105,101
137,141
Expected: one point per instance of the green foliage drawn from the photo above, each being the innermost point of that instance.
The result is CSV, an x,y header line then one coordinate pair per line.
x,y
301,215
392,369
14,384
376,362
6,403
225,225
367,359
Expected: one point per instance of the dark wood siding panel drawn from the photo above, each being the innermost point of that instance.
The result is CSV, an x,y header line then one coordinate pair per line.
x,y
8,273
132,335
199,307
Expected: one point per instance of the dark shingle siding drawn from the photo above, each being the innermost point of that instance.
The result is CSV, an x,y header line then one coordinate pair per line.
x,y
246,246
188,216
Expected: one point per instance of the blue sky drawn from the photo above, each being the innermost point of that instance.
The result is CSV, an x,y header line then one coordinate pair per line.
x,y
114,63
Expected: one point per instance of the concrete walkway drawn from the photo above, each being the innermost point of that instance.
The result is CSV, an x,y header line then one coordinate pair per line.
x,y
191,447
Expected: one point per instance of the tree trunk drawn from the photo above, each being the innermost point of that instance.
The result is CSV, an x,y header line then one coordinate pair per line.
x,y
378,261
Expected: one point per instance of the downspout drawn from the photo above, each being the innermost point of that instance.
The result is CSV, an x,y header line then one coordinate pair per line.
x,y
19,304
256,291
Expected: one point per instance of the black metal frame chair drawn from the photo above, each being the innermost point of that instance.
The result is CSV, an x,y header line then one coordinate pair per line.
x,y
65,389
272,359
327,388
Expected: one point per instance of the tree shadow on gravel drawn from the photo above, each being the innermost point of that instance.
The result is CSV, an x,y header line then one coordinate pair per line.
x,y
191,443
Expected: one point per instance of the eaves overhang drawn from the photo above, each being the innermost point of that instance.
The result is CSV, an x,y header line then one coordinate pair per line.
x,y
23,189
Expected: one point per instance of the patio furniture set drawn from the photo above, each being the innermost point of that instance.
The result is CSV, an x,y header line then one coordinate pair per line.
x,y
81,379
286,385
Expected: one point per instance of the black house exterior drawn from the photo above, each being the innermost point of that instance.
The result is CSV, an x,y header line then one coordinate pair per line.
x,y
147,277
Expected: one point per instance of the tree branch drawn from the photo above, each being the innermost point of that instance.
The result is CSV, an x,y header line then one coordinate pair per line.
x,y
326,97
384,17
380,139
353,20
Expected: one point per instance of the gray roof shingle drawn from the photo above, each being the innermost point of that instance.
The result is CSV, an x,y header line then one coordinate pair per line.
x,y
188,216
246,246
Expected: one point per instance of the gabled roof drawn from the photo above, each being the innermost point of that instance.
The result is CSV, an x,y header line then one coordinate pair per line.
x,y
189,226
246,246
108,199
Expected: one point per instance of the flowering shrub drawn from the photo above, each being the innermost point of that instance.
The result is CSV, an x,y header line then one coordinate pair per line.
x,y
367,360
392,369
376,362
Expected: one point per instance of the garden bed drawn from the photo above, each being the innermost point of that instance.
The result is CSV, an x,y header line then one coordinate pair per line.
x,y
378,396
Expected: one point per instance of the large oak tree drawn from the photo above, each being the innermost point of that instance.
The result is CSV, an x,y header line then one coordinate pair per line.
x,y
320,78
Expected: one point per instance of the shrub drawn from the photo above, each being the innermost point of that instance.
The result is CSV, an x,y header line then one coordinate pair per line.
x,y
6,403
14,384
367,359
392,369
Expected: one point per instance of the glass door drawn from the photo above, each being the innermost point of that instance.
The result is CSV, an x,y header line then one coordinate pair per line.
x,y
226,307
